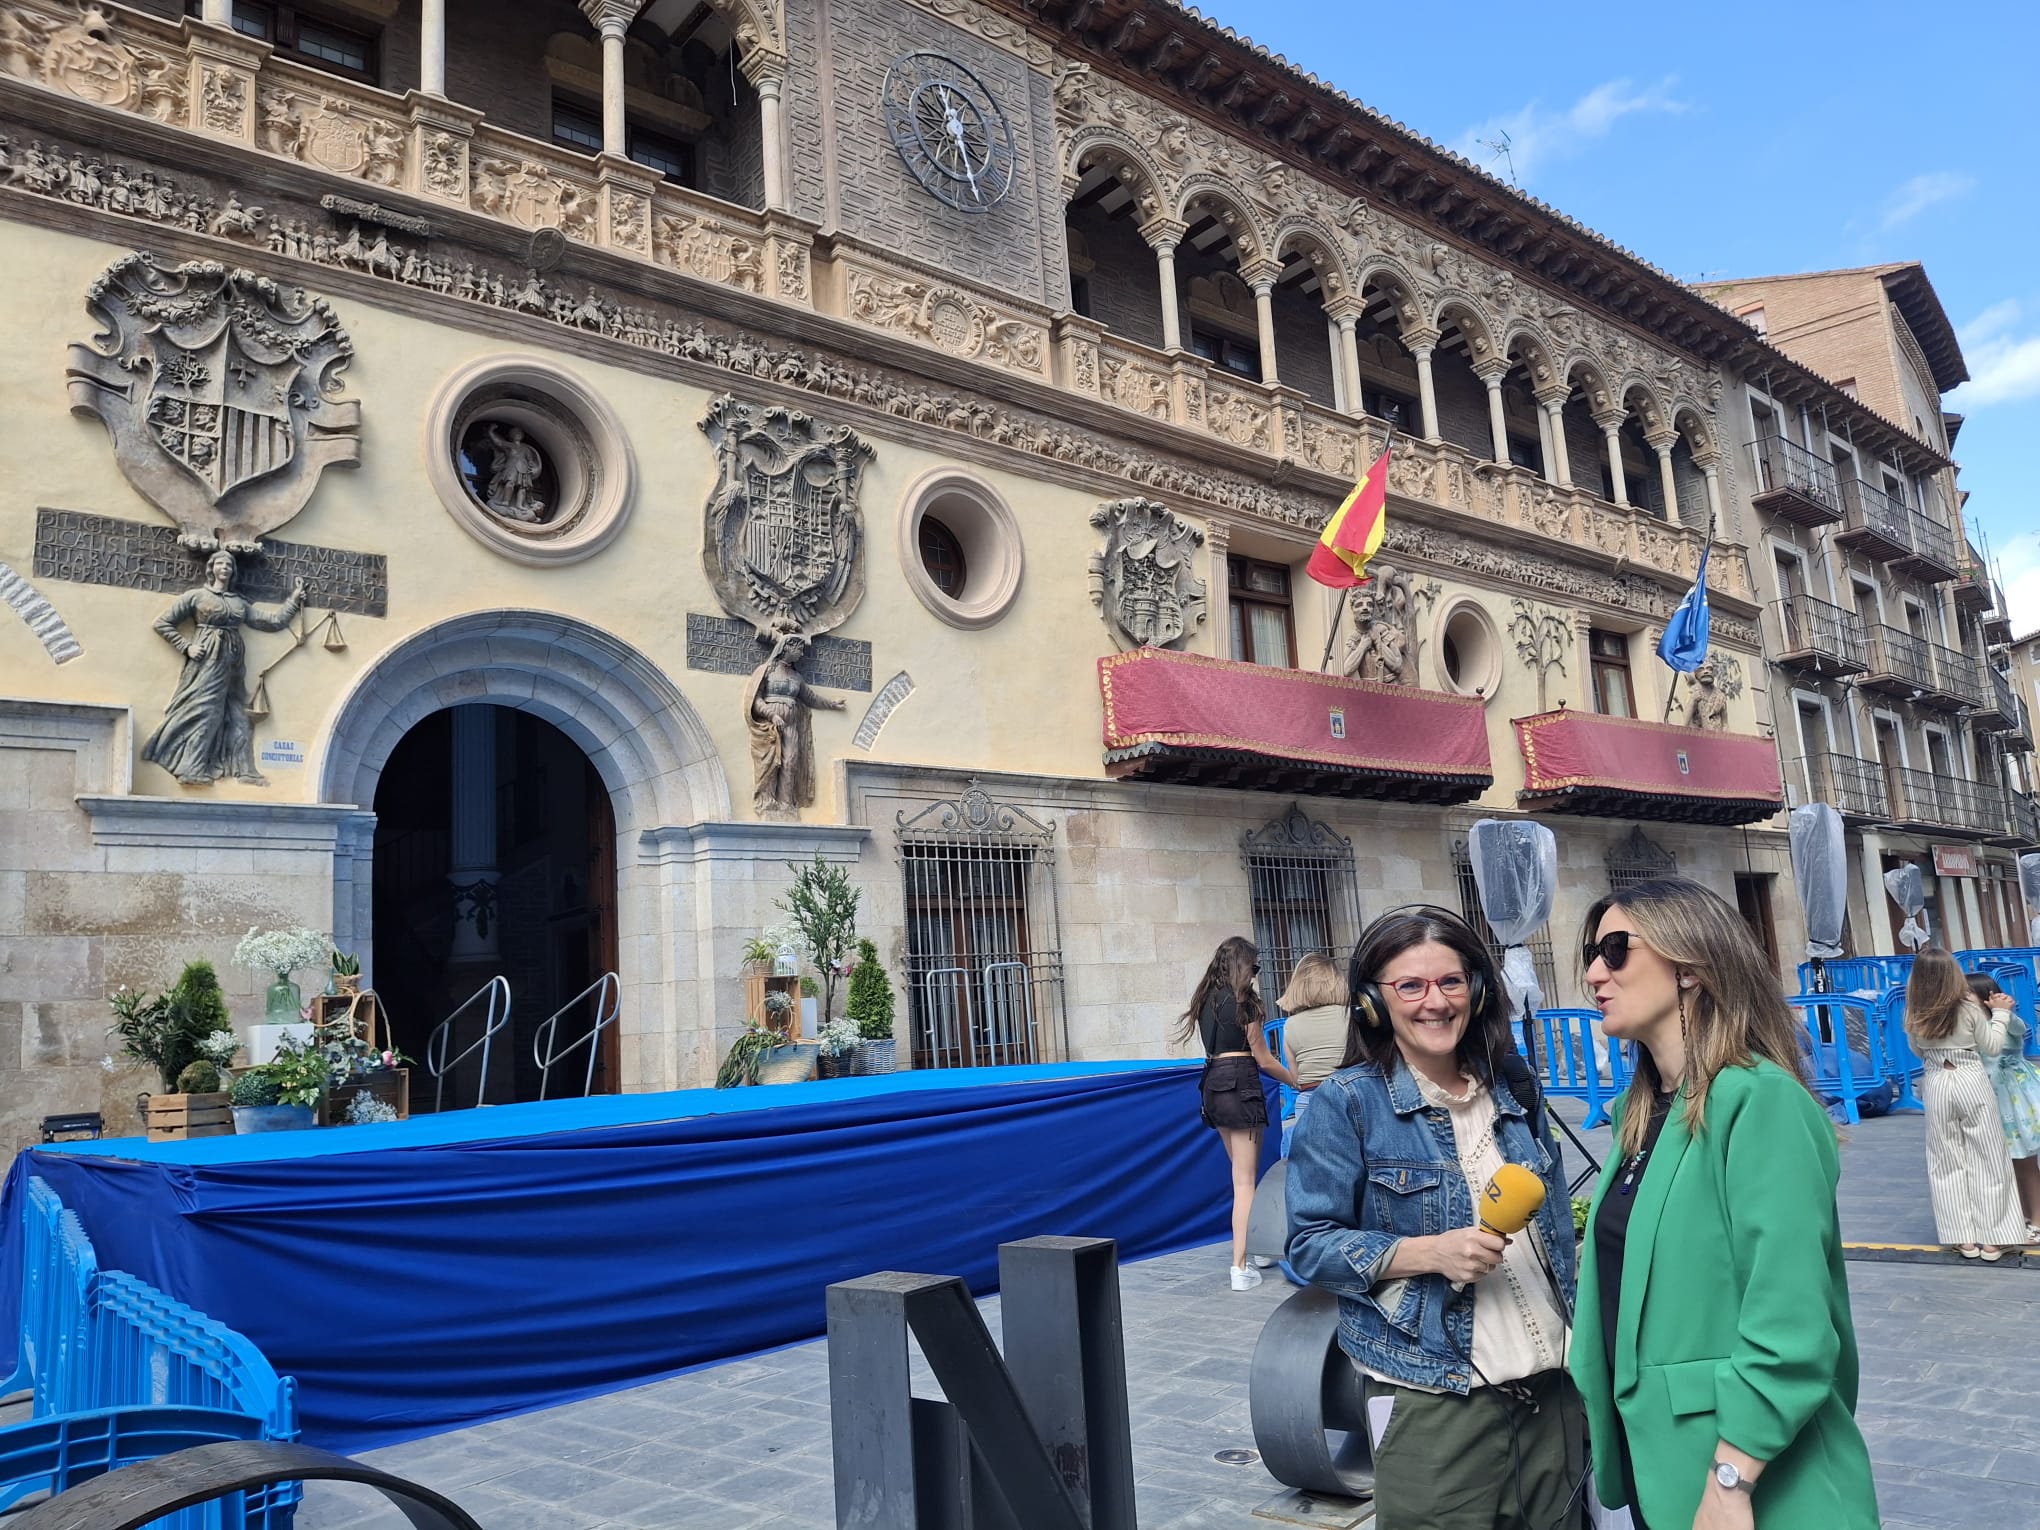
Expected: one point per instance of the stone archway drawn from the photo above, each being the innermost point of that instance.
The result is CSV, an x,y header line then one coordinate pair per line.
x,y
641,734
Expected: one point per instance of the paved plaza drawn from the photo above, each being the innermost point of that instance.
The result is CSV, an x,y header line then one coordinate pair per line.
x,y
1950,1403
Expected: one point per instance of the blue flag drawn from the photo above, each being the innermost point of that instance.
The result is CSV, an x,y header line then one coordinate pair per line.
x,y
1684,645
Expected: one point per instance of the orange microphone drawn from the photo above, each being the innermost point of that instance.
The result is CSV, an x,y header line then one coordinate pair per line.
x,y
1513,1196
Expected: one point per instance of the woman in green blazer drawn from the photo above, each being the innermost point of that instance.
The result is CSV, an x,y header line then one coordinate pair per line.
x,y
1712,1342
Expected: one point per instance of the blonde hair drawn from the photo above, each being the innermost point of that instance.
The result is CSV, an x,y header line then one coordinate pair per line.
x,y
1934,995
1316,982
1736,1014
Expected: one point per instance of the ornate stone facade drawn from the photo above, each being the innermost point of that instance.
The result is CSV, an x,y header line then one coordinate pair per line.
x,y
1144,580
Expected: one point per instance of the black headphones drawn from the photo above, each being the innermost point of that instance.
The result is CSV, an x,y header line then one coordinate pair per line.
x,y
1370,1005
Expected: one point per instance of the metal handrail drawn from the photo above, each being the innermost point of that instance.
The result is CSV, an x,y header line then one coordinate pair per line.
x,y
436,1060
608,1005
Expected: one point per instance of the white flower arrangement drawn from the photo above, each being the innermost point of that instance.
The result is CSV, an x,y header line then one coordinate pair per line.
x,y
219,1048
366,1110
839,1038
282,951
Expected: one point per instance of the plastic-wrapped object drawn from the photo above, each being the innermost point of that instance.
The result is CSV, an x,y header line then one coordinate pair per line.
x,y
1820,867
1908,890
1515,866
2029,884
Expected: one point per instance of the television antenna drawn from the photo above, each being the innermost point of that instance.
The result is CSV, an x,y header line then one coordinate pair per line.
x,y
1501,147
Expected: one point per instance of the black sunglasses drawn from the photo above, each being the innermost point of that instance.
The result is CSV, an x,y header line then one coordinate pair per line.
x,y
1612,948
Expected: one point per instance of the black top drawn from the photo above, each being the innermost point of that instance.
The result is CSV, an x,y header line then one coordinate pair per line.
x,y
1611,1235
1220,1026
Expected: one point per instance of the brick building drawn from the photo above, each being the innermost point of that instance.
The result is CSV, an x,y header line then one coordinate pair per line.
x,y
712,435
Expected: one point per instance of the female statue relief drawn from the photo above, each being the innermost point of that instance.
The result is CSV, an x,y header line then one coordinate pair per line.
x,y
776,703
205,732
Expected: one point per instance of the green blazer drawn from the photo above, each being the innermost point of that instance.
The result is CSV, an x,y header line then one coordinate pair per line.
x,y
1734,1319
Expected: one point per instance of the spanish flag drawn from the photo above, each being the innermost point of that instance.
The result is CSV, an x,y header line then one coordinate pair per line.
x,y
1353,534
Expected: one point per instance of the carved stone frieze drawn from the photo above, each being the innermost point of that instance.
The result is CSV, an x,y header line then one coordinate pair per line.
x,y
710,251
533,195
947,318
1131,385
82,53
1144,579
981,21
783,537
333,134
220,389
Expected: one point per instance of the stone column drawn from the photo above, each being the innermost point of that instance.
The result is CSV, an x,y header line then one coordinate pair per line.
x,y
1557,457
1544,442
1345,314
1163,235
1218,591
1611,427
767,74
432,48
1712,469
219,12
612,19
474,873
1338,349
1420,348
1661,442
1498,423
1261,277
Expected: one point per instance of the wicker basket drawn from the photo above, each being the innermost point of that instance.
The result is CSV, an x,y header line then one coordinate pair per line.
x,y
789,1064
874,1057
841,1065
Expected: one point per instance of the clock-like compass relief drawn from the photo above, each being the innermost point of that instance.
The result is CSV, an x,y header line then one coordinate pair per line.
x,y
949,131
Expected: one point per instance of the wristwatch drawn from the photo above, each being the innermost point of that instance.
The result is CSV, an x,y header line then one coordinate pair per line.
x,y
1732,1480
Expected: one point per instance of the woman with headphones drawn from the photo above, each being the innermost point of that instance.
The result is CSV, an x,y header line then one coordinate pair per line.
x,y
1460,1335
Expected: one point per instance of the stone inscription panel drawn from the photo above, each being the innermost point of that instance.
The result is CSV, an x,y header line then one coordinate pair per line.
x,y
131,555
723,645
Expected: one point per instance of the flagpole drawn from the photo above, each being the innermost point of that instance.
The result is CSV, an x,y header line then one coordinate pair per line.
x,y
1671,700
1339,611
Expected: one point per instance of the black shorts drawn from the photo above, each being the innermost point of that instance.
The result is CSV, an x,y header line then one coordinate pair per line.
x,y
1232,1093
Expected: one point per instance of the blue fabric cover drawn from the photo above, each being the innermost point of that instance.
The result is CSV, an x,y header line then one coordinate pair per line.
x,y
423,1275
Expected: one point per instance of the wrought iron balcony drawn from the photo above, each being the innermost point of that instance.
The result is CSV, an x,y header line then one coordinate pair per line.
x,y
1997,621
1821,637
1973,585
2024,820
1943,803
1899,664
1958,676
1873,522
2020,734
1620,767
1932,556
1852,787
2000,705
1199,721
1794,484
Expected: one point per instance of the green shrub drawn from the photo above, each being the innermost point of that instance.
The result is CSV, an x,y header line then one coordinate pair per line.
x,y
200,1077
254,1086
871,997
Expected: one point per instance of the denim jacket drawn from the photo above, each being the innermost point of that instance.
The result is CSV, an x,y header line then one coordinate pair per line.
x,y
1372,1164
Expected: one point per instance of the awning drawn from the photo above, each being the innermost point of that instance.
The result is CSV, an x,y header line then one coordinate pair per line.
x,y
1619,767
1187,718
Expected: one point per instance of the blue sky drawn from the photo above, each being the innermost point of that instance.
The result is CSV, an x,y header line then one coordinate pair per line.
x,y
1746,140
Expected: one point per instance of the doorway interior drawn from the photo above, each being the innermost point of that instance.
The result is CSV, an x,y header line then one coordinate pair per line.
x,y
550,924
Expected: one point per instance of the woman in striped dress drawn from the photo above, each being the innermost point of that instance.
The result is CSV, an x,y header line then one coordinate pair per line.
x,y
1969,1170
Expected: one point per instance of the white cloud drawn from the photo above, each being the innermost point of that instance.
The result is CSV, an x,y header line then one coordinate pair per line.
x,y
2003,357
2019,561
1922,192
1538,135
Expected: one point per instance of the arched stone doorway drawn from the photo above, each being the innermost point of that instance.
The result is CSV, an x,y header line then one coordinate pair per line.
x,y
641,737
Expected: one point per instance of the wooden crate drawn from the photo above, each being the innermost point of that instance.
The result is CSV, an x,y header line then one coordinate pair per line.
x,y
178,1117
391,1086
366,1013
758,982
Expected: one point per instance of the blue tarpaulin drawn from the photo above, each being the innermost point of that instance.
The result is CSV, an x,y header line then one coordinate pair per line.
x,y
422,1275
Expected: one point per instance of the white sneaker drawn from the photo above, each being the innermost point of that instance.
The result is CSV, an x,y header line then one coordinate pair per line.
x,y
1245,1277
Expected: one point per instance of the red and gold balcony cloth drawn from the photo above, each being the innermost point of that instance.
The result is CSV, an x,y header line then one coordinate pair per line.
x,y
1564,750
1189,701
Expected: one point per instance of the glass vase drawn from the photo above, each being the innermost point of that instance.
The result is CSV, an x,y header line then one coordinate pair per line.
x,y
285,1004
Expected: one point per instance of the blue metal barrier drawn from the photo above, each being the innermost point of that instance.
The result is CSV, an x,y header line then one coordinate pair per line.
x,y
1832,1072
96,1341
2017,970
1858,974
1574,1063
65,1449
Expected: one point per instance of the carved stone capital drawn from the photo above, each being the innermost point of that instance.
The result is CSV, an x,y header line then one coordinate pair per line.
x,y
1553,393
765,70
1492,370
1661,440
1421,338
1610,418
1261,275
612,18
1160,232
1346,311
1217,538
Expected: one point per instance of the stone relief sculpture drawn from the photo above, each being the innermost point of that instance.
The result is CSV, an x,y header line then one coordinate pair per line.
x,y
220,390
783,538
1143,580
205,730
513,475
1380,649
1544,636
1716,683
777,704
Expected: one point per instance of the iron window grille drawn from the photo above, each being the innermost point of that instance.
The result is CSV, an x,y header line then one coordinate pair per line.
x,y
1539,943
984,969
1639,858
1305,894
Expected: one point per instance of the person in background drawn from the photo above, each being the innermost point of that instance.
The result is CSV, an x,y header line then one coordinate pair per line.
x,y
1319,1012
1225,1014
2016,1082
1714,1345
1969,1168
1459,1334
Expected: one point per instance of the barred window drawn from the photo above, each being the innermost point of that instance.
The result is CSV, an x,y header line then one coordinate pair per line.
x,y
1305,894
1639,858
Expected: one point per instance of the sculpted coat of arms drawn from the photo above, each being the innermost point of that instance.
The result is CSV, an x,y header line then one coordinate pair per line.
x,y
784,539
1144,580
219,388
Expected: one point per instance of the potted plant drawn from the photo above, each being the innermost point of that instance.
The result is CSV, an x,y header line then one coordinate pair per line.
x,y
346,974
764,956
301,1073
258,1106
741,1063
870,1005
282,952
839,1042
170,1032
779,1013
822,906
